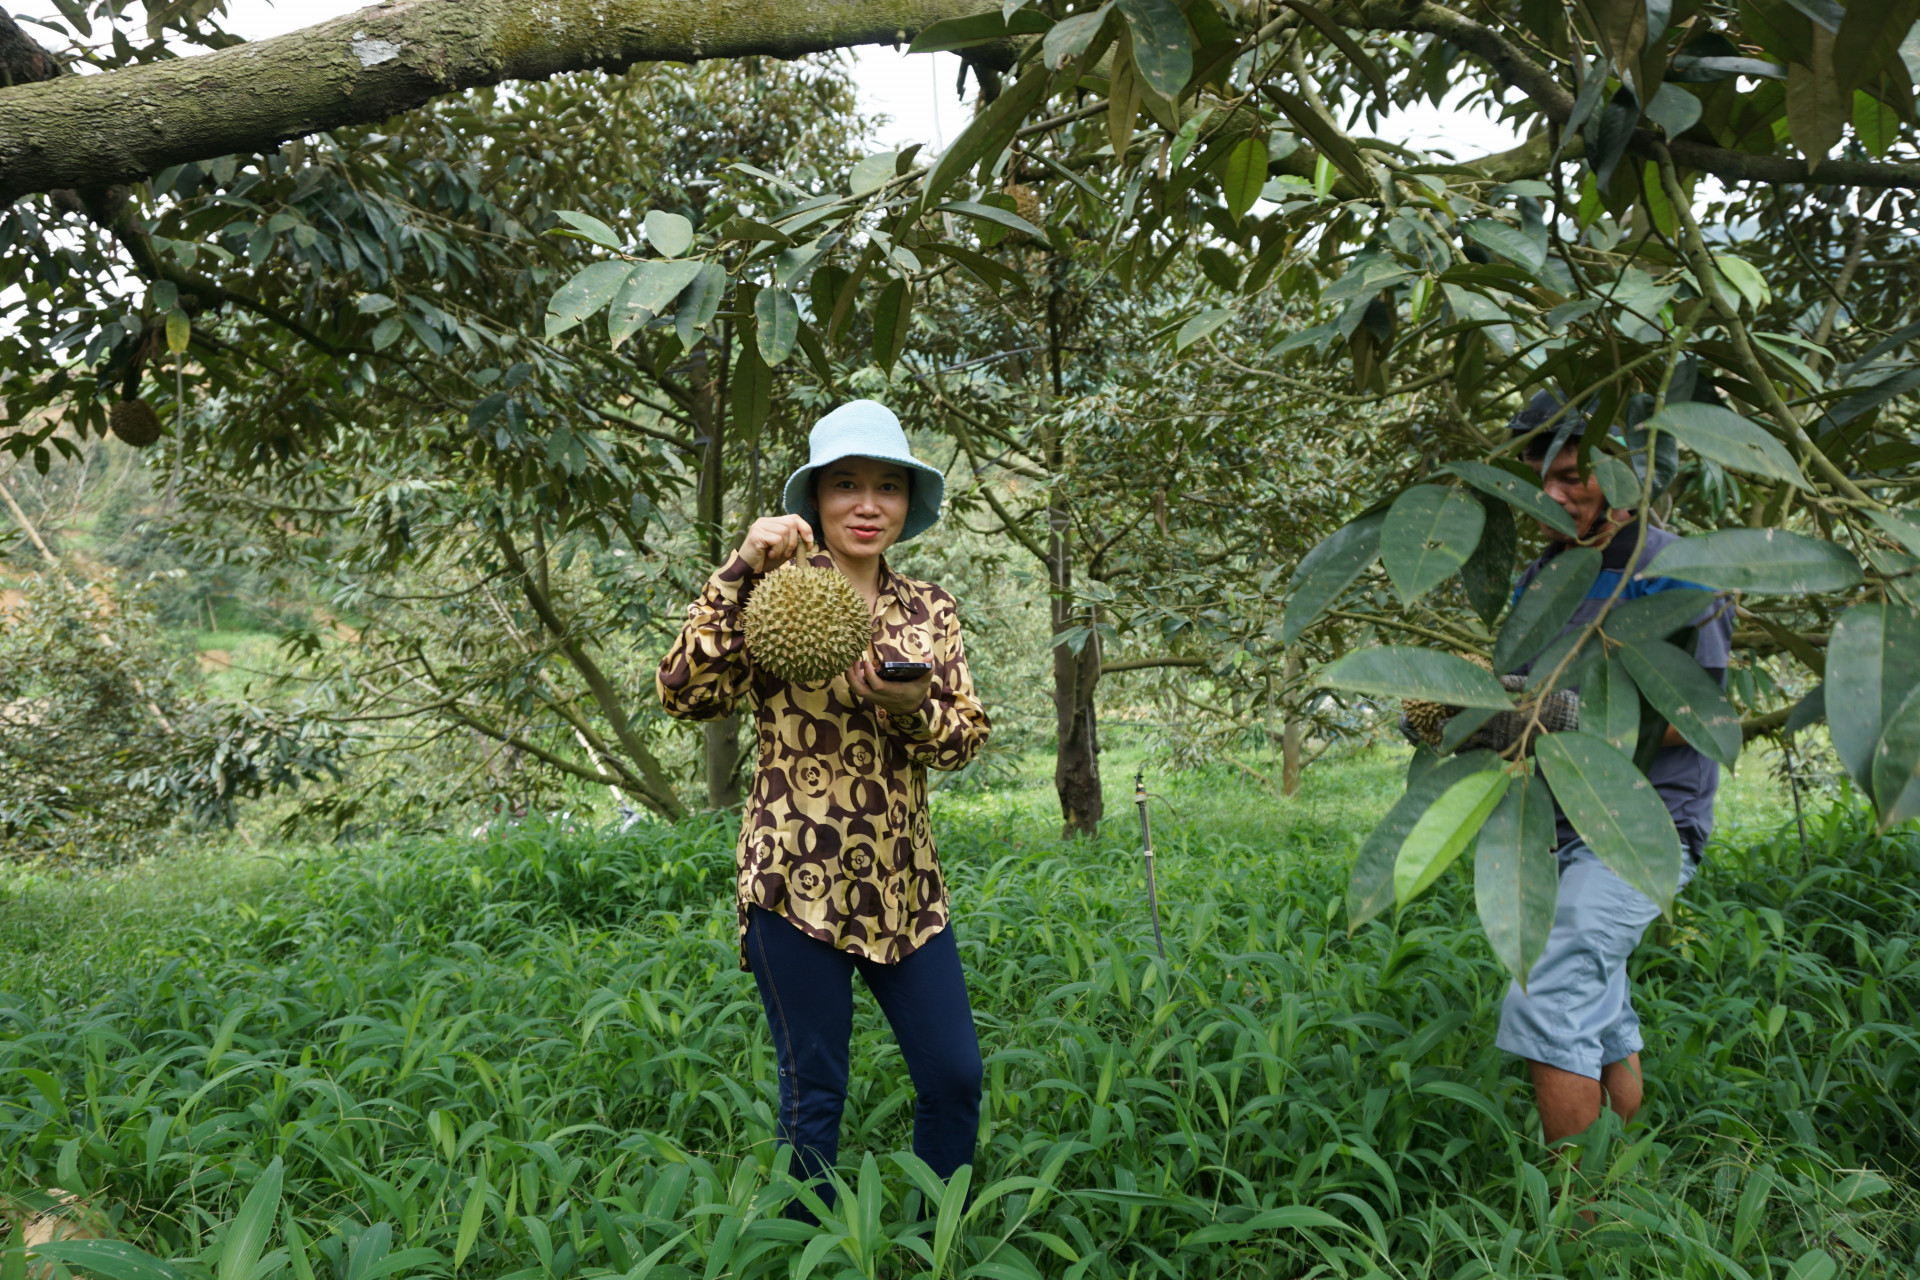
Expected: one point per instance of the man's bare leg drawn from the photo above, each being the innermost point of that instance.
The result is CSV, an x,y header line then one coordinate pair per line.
x,y
1569,1103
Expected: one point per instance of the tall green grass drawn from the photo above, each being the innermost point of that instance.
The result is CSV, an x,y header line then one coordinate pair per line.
x,y
536,1056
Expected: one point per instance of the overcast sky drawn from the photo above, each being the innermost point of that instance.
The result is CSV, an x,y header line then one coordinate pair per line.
x,y
917,92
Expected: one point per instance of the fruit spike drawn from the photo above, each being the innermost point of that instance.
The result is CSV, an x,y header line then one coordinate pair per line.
x,y
805,624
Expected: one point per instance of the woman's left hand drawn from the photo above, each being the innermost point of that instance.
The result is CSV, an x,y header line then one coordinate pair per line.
x,y
895,697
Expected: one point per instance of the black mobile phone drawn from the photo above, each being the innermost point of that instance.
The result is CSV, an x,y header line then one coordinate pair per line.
x,y
904,672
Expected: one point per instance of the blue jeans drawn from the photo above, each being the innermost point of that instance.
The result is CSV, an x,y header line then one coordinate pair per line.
x,y
807,988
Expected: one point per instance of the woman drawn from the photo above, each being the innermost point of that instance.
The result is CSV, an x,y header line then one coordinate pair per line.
x,y
836,864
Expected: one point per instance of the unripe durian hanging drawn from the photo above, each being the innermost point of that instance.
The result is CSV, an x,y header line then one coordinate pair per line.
x,y
805,623
135,422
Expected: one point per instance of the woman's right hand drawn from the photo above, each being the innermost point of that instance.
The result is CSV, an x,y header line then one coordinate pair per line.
x,y
773,540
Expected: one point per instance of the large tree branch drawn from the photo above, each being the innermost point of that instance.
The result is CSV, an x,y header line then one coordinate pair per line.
x,y
121,126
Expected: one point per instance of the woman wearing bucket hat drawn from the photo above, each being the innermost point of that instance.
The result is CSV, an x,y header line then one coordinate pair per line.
x,y
836,864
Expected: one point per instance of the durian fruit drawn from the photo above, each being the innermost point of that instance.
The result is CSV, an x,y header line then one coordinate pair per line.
x,y
135,422
1027,205
805,624
1426,722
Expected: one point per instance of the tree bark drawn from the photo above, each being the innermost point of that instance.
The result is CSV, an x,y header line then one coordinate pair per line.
x,y
722,736
1076,763
1291,730
88,132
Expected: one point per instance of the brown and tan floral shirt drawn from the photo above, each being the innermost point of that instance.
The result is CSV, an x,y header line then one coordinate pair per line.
x,y
836,836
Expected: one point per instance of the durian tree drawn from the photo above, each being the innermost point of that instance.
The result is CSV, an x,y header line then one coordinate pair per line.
x,y
343,339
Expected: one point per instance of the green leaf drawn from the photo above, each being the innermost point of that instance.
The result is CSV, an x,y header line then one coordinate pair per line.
x,y
891,320
1746,280
1615,810
1162,47
1394,671
1674,109
777,324
699,304
978,28
991,213
1545,606
1725,437
668,233
1516,877
1896,764
1201,326
1815,1264
1876,123
590,228
591,288
989,133
1809,711
1763,561
1509,242
1243,175
471,1218
1817,107
1429,533
1524,494
1687,696
1902,528
1444,830
1184,140
1324,573
1873,663
1610,705
1070,37
749,231
872,173
1618,481
1326,135
107,1259
1870,35
648,291
1656,617
247,1237
751,389
179,331
1370,888
990,273
1487,576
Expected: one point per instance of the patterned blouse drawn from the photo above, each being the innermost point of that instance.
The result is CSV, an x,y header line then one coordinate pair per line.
x,y
835,836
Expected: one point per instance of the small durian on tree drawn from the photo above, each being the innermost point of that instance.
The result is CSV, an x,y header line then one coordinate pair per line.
x,y
135,422
805,623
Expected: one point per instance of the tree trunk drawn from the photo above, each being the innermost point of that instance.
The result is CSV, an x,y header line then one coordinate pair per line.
x,y
710,411
1076,766
1293,729
121,126
1076,763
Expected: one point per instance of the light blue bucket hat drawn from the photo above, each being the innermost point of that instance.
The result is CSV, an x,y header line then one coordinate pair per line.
x,y
865,429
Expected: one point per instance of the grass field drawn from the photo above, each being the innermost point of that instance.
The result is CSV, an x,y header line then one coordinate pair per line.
x,y
535,1056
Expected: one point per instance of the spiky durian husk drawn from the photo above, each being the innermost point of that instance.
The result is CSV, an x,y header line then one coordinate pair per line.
x,y
1427,721
805,624
135,422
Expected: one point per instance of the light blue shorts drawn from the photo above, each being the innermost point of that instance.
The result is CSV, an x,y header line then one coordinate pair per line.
x,y
1577,1012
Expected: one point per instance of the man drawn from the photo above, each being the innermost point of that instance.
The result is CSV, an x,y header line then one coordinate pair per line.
x,y
1575,1024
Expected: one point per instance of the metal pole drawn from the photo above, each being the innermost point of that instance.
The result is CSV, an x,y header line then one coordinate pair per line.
x,y
1146,844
